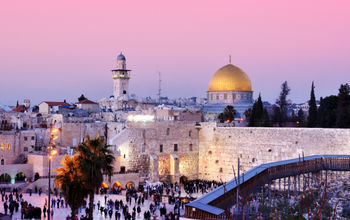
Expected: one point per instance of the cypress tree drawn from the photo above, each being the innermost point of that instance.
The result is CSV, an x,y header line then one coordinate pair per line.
x,y
312,117
259,116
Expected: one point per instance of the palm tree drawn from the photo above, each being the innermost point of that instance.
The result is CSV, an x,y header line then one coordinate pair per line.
x,y
96,160
72,184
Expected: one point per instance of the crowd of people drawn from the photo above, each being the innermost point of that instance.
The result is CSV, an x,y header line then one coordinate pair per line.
x,y
133,207
200,186
13,201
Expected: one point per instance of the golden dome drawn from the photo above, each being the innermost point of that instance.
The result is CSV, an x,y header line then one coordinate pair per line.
x,y
229,78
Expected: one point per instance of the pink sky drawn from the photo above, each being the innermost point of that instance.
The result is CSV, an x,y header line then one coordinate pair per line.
x,y
56,51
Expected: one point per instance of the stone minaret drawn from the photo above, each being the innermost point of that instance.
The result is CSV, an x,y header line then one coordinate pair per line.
x,y
121,78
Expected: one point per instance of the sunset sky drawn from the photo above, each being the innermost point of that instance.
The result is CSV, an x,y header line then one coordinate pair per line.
x,y
55,50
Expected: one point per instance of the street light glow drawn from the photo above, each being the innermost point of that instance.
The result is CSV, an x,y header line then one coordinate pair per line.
x,y
53,152
54,130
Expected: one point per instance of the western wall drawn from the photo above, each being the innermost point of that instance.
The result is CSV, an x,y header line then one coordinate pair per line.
x,y
220,147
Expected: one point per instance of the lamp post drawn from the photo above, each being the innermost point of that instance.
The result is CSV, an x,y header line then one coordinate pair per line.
x,y
52,152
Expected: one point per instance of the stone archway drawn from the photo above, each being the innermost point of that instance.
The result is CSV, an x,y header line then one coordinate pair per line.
x,y
183,179
5,178
129,185
20,177
117,187
104,185
36,176
104,188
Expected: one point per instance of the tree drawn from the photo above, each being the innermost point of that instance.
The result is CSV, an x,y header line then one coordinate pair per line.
x,y
343,108
277,116
81,98
327,112
283,103
228,115
312,117
35,108
248,114
95,159
72,184
259,116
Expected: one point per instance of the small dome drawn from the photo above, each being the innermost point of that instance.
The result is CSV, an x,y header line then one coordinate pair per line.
x,y
229,78
121,57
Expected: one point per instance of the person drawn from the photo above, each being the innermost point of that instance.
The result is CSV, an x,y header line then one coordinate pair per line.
x,y
30,192
138,210
110,212
5,207
44,211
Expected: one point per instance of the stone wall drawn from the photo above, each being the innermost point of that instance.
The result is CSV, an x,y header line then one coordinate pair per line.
x,y
220,147
138,141
74,133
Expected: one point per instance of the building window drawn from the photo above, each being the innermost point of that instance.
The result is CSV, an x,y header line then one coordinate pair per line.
x,y
167,131
190,133
2,162
175,147
212,97
8,146
217,97
33,138
161,148
191,148
144,133
233,96
25,138
2,146
143,148
225,96
25,149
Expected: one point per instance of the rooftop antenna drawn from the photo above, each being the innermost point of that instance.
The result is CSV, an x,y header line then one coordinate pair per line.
x,y
159,86
229,59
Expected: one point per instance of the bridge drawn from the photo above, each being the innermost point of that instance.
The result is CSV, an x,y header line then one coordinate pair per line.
x,y
292,173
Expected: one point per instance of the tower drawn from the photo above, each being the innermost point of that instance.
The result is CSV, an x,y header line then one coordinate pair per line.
x,y
121,78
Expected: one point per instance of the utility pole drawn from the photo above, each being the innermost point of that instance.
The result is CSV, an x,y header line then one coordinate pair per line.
x,y
159,86
237,193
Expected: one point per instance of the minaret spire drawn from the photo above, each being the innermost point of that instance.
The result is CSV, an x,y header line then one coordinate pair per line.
x,y
229,59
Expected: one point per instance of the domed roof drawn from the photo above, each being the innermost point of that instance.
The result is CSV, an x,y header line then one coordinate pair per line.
x,y
229,78
120,57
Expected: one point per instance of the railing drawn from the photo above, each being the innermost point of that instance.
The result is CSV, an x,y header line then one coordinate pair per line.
x,y
212,205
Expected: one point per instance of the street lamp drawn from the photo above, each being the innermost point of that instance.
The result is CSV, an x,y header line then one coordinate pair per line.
x,y
52,152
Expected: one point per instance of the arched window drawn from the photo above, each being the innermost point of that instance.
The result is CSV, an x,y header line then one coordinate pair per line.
x,y
167,131
2,146
190,133
8,146
2,162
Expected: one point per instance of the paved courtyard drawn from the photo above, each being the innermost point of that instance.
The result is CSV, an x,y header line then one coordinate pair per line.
x,y
62,213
